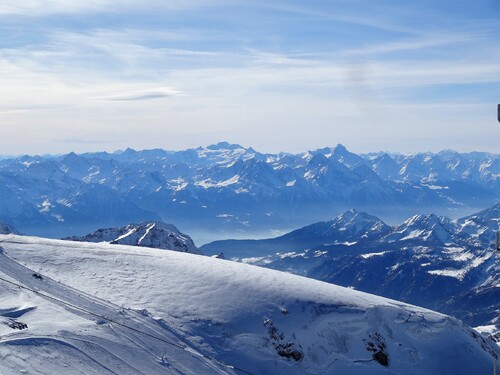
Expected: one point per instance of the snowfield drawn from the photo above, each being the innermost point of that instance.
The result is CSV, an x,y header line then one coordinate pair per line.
x,y
146,311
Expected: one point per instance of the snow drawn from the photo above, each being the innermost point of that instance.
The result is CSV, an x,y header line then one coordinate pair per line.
x,y
58,217
63,340
46,206
490,329
254,260
64,202
369,255
180,187
208,183
460,273
241,190
309,175
130,232
319,253
148,229
224,215
457,274
175,185
291,254
232,312
413,234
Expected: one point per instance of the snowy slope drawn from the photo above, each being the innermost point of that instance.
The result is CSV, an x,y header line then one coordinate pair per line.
x,y
442,264
147,234
61,339
260,320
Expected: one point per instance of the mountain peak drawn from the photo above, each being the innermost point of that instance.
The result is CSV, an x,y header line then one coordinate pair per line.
x,y
129,151
7,229
356,225
71,156
349,214
225,146
429,227
353,215
340,149
420,218
155,234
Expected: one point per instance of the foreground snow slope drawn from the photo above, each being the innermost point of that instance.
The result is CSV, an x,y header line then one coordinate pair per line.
x,y
260,320
40,335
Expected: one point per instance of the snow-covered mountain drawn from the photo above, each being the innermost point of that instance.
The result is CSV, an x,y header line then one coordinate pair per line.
x,y
429,229
350,227
481,226
447,265
231,188
147,234
73,308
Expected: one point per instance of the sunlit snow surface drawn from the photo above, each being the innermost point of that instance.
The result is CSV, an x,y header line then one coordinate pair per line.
x,y
234,313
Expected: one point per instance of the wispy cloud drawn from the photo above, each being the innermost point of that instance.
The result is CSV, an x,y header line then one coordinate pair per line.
x,y
142,94
300,74
40,7
367,15
413,44
47,7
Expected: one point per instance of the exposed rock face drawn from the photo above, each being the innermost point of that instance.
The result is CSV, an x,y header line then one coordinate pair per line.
x,y
7,229
153,234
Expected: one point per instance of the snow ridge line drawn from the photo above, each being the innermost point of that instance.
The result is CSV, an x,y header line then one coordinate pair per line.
x,y
183,347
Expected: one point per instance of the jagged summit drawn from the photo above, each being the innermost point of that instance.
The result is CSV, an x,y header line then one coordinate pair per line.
x,y
340,149
71,155
155,234
354,226
224,146
425,228
352,216
490,214
129,150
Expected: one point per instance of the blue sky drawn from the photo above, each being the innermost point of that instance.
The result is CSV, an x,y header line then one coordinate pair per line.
x,y
276,75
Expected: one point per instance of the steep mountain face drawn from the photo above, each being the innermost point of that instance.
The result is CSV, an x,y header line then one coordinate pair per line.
x,y
147,234
7,229
481,226
230,188
108,309
447,265
424,229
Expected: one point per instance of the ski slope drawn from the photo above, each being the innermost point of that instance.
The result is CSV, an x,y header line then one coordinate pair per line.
x,y
146,311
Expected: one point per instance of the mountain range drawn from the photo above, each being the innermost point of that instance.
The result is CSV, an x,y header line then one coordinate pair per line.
x,y
226,188
447,265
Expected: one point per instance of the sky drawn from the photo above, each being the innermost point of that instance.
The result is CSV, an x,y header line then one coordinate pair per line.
x,y
277,75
